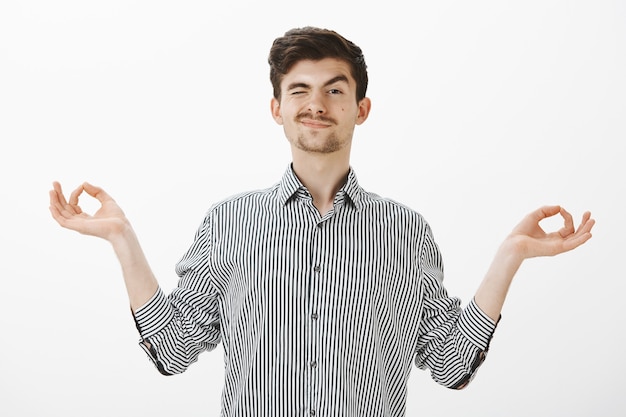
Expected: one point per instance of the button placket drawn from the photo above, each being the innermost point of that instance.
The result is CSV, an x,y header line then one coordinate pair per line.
x,y
314,293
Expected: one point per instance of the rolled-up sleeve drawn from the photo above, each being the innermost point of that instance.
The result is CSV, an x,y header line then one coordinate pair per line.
x,y
175,329
453,341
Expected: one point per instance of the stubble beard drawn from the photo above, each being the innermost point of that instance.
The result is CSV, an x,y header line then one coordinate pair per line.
x,y
313,142
329,145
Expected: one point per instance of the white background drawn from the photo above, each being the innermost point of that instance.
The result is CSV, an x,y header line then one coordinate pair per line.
x,y
482,112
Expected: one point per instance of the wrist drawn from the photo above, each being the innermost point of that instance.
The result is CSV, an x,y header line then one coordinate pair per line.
x,y
123,239
512,250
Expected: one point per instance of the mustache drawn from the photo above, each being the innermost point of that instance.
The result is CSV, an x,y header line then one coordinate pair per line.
x,y
310,116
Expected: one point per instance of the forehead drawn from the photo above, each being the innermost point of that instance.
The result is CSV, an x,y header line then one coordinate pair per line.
x,y
316,72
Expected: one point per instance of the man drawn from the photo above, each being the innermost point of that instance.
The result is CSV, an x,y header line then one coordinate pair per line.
x,y
322,294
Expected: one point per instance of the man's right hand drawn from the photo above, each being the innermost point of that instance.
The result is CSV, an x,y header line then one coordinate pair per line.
x,y
107,223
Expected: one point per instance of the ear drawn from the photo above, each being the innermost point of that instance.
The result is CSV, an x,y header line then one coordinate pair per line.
x,y
276,113
365,105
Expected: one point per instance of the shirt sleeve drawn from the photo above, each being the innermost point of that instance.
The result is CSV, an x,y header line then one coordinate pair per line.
x,y
453,342
175,329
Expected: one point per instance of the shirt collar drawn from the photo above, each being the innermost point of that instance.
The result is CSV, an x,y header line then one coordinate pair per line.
x,y
290,187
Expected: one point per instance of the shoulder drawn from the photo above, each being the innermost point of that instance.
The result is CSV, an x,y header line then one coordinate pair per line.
x,y
385,207
246,200
403,223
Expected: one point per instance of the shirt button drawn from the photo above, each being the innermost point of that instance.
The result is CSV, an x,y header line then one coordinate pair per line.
x,y
317,268
314,364
314,316
312,412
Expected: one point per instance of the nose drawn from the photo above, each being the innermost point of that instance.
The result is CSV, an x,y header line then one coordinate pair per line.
x,y
317,103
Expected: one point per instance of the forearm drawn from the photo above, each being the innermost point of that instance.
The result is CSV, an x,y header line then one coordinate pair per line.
x,y
493,290
140,282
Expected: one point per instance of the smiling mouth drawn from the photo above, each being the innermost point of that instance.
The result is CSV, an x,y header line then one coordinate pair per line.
x,y
315,123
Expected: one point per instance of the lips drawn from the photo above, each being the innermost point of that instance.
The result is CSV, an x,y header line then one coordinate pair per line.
x,y
314,124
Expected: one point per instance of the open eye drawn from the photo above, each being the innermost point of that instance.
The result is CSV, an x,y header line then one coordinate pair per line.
x,y
334,91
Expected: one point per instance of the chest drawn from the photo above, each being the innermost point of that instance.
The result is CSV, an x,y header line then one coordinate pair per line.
x,y
346,266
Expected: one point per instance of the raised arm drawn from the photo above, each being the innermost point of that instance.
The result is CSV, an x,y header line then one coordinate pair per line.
x,y
528,240
108,223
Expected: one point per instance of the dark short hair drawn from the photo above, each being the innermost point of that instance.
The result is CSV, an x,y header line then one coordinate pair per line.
x,y
311,43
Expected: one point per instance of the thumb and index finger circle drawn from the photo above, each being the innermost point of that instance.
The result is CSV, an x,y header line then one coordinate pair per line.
x,y
92,190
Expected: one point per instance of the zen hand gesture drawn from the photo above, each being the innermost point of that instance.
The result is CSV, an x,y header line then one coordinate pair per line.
x,y
531,240
108,221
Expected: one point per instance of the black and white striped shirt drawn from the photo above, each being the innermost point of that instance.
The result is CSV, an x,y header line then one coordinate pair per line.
x,y
317,316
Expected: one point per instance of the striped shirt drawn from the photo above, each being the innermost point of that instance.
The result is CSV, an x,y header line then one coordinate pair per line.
x,y
317,315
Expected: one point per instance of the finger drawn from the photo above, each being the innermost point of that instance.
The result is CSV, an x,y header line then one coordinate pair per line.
x,y
73,203
545,212
586,224
59,210
575,241
65,219
54,204
568,221
96,192
59,193
59,207
582,235
57,199
59,213
585,219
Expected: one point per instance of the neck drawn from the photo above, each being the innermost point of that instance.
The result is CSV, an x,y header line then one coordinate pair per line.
x,y
323,175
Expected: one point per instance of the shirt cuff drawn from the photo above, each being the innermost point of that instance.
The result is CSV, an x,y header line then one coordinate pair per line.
x,y
154,315
477,326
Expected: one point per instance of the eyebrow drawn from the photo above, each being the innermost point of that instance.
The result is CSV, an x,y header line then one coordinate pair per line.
x,y
338,78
